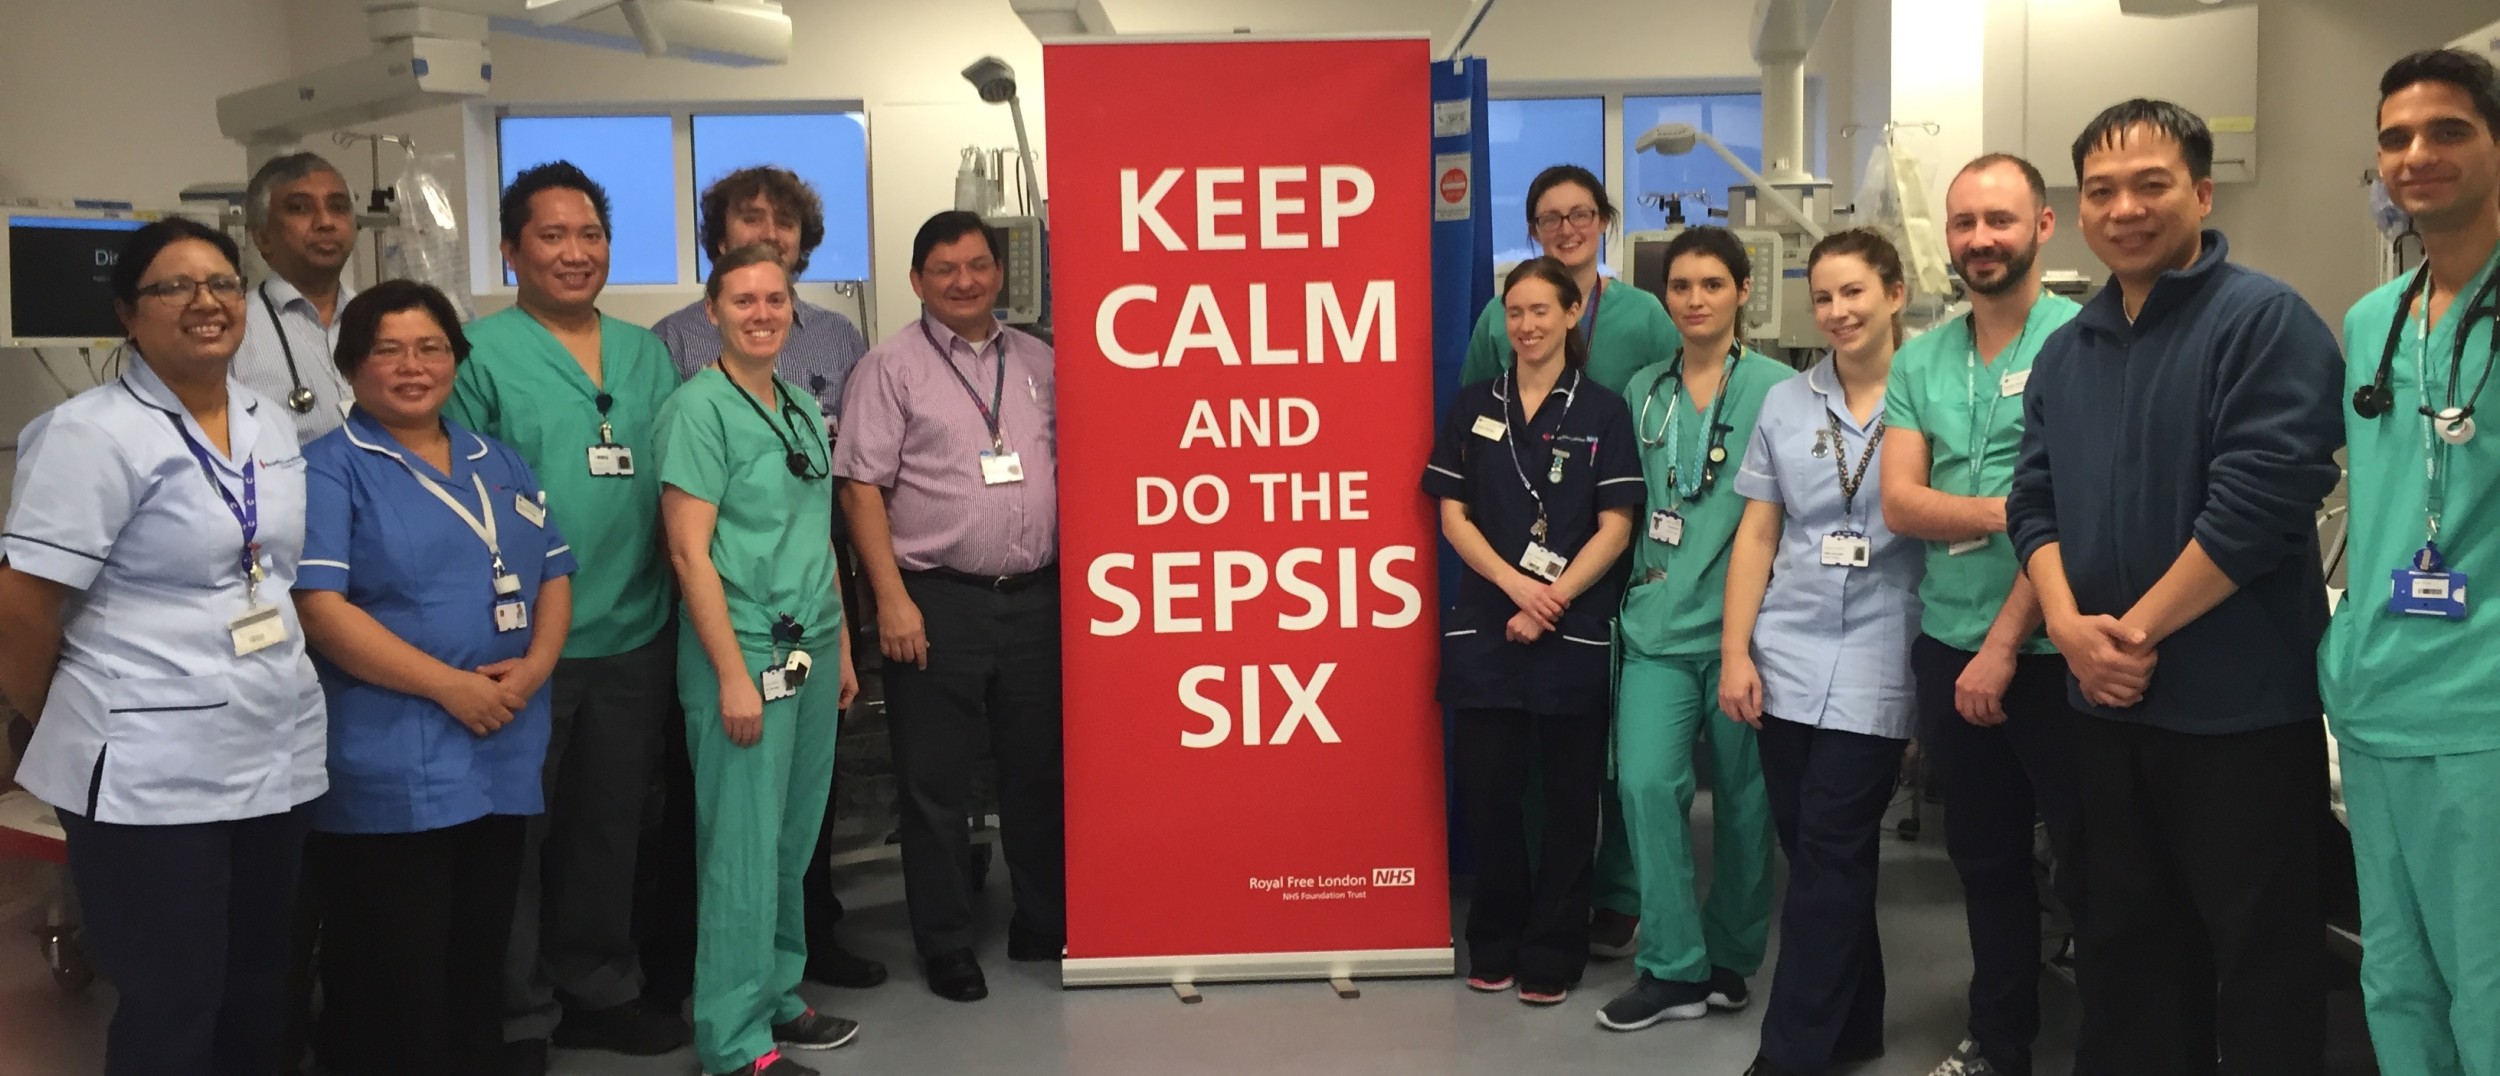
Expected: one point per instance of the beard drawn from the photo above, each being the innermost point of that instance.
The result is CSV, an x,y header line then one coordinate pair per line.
x,y
2017,268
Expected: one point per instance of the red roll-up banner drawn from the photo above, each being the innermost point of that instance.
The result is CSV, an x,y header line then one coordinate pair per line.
x,y
1240,232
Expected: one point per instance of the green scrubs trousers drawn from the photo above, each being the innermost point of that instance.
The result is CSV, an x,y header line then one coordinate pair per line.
x,y
2426,839
757,810
1666,708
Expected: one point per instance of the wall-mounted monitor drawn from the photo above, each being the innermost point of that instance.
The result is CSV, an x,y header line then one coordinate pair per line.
x,y
56,281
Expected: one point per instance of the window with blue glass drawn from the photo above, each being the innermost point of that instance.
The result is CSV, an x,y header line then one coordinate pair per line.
x,y
632,157
1529,135
829,150
1735,119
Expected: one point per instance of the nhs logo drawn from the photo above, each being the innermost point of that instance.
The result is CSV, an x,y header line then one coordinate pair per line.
x,y
1392,877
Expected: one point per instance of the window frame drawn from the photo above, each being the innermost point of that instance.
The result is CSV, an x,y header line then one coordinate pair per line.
x,y
1818,138
484,167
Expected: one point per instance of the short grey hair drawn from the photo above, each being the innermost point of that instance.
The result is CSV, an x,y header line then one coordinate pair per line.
x,y
277,173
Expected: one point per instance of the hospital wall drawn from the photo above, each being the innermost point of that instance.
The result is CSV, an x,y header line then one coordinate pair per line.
x,y
115,99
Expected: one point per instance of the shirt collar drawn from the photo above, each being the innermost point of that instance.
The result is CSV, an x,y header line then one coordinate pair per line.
x,y
1824,377
947,338
365,431
285,294
242,423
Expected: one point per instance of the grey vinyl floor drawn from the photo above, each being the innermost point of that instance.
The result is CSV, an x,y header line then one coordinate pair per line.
x,y
1029,1026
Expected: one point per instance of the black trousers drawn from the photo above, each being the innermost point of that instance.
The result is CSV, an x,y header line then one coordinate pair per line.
x,y
192,923
413,936
2206,938
1828,792
1995,782
1530,920
994,671
573,944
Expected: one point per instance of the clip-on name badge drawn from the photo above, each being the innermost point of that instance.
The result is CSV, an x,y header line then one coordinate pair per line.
x,y
1543,563
999,468
2427,588
1847,549
784,680
1667,525
259,627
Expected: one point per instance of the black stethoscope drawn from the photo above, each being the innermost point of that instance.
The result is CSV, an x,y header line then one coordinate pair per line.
x,y
794,456
301,400
2455,422
1716,453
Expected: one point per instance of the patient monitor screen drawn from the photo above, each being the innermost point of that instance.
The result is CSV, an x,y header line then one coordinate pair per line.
x,y
60,275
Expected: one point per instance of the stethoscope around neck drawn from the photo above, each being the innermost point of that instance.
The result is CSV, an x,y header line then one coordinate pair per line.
x,y
2454,423
301,399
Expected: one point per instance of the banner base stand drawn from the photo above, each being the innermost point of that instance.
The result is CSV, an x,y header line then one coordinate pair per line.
x,y
1181,971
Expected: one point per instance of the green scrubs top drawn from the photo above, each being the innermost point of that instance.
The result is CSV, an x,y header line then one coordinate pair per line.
x,y
1970,413
2400,686
773,543
520,386
1678,593
1632,331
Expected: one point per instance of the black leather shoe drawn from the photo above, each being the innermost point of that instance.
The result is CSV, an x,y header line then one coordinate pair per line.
x,y
956,976
1029,947
525,1057
626,1029
833,965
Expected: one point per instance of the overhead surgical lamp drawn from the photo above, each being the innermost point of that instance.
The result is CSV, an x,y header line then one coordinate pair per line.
x,y
1678,139
996,82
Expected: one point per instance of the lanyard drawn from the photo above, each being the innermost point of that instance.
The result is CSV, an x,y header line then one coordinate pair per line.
x,y
1849,482
1982,426
246,511
1588,321
482,525
2434,453
990,413
1510,438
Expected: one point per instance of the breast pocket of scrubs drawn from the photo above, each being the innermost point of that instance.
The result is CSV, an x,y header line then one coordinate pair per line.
x,y
281,532
167,737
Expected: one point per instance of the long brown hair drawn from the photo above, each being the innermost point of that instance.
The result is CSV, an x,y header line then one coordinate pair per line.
x,y
1869,246
1545,268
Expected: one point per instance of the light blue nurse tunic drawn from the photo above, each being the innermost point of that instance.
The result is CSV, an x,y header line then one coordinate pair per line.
x,y
1832,643
153,718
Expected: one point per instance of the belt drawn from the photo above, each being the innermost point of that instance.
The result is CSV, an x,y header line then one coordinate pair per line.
x,y
1003,584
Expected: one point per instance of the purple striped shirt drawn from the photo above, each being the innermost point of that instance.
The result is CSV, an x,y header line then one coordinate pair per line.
x,y
914,429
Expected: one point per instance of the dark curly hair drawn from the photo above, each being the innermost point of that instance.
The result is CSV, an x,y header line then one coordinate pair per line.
x,y
786,191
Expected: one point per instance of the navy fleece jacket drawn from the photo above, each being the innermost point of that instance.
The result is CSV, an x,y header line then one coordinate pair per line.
x,y
2214,416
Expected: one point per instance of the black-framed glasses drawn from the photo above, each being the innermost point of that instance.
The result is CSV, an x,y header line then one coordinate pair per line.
x,y
224,287
1577,218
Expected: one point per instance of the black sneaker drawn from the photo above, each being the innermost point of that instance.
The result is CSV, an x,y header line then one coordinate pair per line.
x,y
1651,1000
1728,992
1614,935
626,1029
772,1064
815,1031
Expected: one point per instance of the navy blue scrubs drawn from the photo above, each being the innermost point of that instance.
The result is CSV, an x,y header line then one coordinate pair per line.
x,y
1547,700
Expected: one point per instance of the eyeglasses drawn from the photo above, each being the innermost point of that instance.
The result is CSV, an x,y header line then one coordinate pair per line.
x,y
428,351
1577,218
225,288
